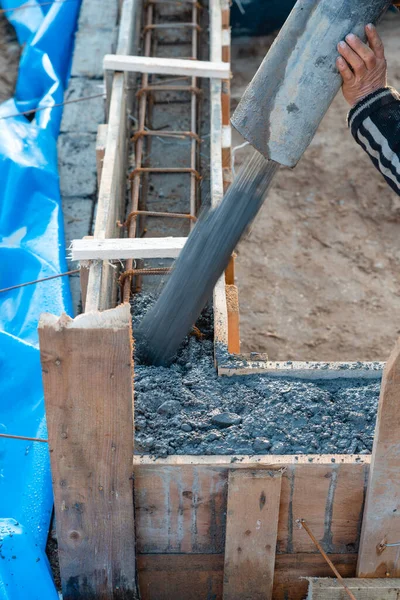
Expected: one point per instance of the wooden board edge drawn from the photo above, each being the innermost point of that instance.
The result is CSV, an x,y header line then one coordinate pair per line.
x,y
268,461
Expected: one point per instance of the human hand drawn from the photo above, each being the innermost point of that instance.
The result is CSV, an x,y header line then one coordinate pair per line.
x,y
362,67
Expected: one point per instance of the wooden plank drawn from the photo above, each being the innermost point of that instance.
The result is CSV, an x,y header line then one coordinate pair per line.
x,y
267,461
122,248
381,523
101,140
290,570
181,501
102,282
299,370
216,175
166,66
84,277
232,304
180,576
180,509
251,532
87,376
346,509
230,271
363,589
220,320
200,576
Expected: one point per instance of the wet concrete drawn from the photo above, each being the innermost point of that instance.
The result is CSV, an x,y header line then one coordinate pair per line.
x,y
187,409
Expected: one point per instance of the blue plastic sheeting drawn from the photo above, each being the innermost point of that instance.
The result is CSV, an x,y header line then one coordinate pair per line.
x,y
31,247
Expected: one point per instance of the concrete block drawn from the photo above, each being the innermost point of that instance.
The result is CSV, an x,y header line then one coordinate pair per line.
x,y
83,117
97,14
77,164
77,221
91,45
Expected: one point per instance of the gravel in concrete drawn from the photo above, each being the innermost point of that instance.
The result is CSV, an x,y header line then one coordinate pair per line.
x,y
187,409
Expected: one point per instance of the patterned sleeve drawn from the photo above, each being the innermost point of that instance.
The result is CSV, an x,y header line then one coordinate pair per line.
x,y
375,125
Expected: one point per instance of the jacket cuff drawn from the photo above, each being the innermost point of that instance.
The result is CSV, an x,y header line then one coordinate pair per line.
x,y
369,104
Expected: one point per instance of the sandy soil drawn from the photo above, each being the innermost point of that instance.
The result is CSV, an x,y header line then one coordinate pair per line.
x,y
319,272
9,59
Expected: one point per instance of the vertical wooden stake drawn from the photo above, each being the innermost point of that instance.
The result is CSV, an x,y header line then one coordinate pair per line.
x,y
232,302
251,533
230,271
226,97
87,375
101,140
381,522
84,277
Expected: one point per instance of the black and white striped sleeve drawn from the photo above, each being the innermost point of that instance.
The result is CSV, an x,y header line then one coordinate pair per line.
x,y
375,125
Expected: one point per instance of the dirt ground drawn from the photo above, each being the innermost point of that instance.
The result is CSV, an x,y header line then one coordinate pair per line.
x,y
319,272
9,59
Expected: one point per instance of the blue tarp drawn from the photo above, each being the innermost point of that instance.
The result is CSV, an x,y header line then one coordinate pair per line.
x,y
31,247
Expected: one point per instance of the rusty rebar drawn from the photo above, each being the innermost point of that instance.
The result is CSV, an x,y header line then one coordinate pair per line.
x,y
171,25
143,132
148,271
157,133
135,189
134,174
303,523
159,87
153,213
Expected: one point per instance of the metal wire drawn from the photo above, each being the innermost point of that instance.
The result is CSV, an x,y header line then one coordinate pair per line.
x,y
20,285
22,437
35,110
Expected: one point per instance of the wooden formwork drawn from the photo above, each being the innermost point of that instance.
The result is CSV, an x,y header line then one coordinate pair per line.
x,y
216,526
204,527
